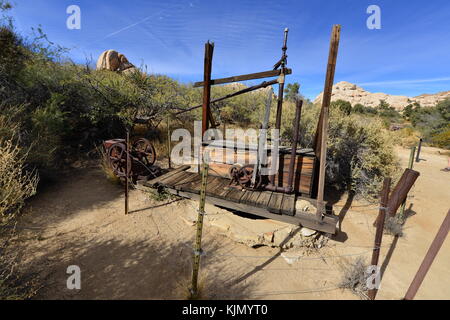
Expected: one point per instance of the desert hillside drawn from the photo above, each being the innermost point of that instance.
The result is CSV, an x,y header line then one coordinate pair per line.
x,y
355,94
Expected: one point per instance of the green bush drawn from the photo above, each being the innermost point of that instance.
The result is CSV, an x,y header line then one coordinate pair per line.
x,y
342,105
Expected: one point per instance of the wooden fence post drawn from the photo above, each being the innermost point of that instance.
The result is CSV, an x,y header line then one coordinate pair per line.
x,y
198,239
206,113
169,144
400,192
410,166
379,232
127,171
419,149
429,258
322,130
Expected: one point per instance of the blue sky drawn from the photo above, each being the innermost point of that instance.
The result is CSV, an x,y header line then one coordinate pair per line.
x,y
410,55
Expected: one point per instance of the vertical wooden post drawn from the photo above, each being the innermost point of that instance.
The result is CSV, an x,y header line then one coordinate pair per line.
x,y
380,228
419,149
429,258
281,81
410,166
209,49
169,142
279,113
127,170
198,238
329,80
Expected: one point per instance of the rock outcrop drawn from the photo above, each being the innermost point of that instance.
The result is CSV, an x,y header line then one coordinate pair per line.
x,y
355,94
114,61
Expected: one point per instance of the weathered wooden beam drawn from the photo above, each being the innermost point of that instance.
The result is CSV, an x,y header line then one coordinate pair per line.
x,y
245,77
206,114
329,80
380,228
234,94
429,258
401,190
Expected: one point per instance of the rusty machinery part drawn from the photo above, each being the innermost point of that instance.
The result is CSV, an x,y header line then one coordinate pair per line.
x,y
117,156
244,177
232,172
144,151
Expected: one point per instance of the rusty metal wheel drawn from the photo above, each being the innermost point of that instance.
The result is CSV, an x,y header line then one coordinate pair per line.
x,y
245,175
233,171
144,151
117,156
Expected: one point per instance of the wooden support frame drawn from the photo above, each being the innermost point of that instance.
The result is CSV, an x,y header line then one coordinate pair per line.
x,y
206,108
265,84
322,129
245,77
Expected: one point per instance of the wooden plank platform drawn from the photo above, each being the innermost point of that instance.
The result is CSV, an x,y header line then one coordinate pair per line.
x,y
272,205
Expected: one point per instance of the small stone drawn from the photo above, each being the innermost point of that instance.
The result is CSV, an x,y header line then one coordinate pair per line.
x,y
306,232
291,257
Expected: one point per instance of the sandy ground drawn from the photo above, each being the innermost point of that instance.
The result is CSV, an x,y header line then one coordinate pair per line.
x,y
147,254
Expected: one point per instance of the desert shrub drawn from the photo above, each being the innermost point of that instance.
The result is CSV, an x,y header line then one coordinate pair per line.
x,y
342,105
394,226
406,137
16,184
48,126
442,139
360,154
355,277
432,123
360,150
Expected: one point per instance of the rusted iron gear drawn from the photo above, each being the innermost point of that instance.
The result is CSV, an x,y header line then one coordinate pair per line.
x,y
232,172
244,177
144,151
117,157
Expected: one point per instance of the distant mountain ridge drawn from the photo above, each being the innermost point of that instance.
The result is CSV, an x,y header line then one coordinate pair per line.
x,y
355,94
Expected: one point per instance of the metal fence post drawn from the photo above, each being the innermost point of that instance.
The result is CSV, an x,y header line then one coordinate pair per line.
x,y
419,149
127,171
380,227
429,258
198,238
410,166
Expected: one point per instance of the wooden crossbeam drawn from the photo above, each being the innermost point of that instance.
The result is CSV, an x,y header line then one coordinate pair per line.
x,y
252,76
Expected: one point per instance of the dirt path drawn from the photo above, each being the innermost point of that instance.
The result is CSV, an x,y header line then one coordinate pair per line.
x,y
148,254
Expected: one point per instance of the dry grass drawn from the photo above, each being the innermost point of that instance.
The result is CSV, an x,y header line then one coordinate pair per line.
x,y
355,277
394,226
106,168
16,183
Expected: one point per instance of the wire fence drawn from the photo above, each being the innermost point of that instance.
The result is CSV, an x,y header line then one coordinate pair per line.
x,y
296,263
